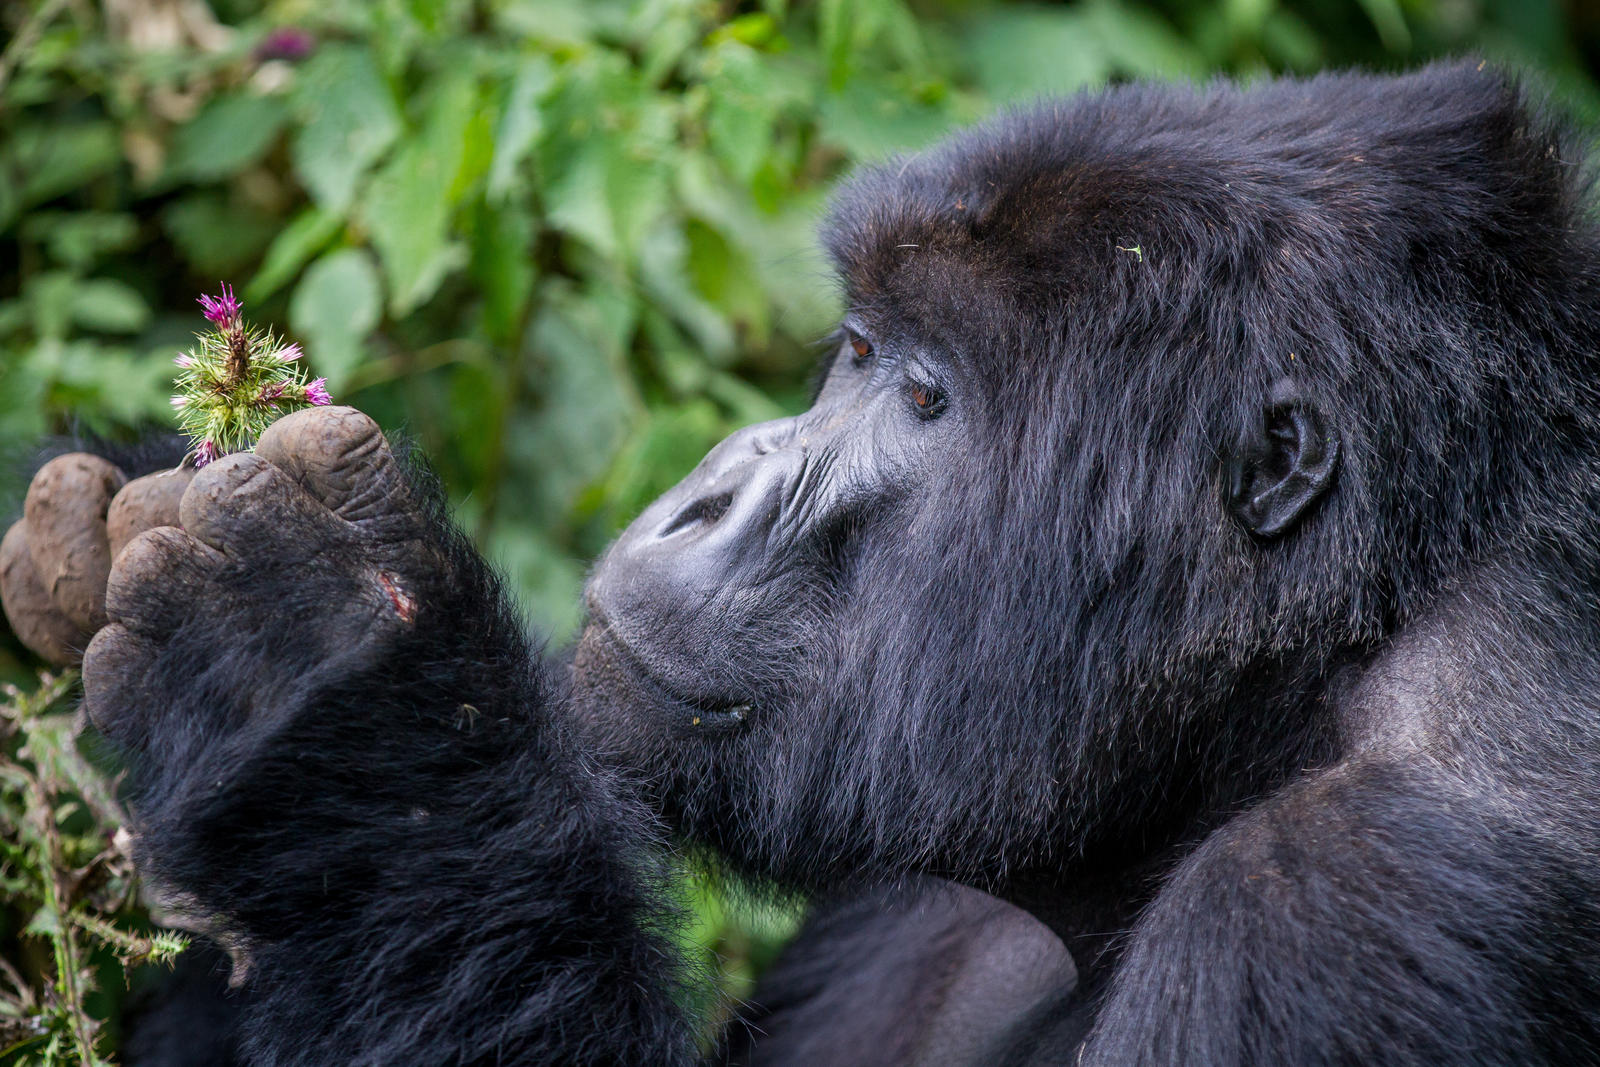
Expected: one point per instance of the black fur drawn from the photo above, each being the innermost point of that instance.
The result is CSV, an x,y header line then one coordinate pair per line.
x,y
1328,797
407,857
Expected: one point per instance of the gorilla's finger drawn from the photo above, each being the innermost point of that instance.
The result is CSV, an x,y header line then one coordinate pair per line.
x,y
244,505
34,617
66,512
341,457
157,580
145,503
114,668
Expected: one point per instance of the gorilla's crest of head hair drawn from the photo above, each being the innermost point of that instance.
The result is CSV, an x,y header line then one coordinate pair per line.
x,y
1061,630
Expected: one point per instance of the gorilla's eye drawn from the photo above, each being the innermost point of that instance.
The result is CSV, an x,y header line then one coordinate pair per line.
x,y
929,400
861,347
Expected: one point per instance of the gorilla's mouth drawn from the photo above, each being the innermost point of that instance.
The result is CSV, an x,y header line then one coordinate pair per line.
x,y
699,714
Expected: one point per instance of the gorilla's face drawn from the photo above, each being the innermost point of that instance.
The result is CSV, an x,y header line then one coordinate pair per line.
x,y
716,602
759,638
844,645
983,607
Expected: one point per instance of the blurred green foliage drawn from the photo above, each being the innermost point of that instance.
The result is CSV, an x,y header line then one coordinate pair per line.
x,y
564,244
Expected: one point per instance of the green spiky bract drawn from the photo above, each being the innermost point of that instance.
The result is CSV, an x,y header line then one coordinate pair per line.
x,y
236,382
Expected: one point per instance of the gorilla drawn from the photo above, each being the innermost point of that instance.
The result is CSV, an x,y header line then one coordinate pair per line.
x,y
1191,554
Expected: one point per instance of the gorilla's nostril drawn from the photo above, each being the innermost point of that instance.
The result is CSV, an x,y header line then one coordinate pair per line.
x,y
707,510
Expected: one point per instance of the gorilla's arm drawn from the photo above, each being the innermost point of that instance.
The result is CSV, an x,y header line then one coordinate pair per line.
x,y
1374,913
348,770
928,972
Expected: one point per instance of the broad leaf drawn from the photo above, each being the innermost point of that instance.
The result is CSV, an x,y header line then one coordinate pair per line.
x,y
335,306
350,121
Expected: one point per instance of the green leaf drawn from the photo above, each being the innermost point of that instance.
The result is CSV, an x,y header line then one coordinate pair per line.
x,y
553,22
49,297
743,109
663,272
834,26
58,157
1390,22
217,237
22,409
104,384
1141,43
336,305
350,121
77,239
409,207
230,133
871,119
605,158
667,33
521,122
303,238
725,276
108,306
502,265
586,401
1023,53
548,581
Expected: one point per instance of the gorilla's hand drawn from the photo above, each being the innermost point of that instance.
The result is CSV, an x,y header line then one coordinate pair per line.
x,y
310,554
344,768
55,559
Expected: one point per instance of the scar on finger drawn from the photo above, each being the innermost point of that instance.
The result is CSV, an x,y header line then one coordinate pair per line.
x,y
403,603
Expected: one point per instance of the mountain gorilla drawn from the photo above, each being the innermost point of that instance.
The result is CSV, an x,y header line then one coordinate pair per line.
x,y
1195,542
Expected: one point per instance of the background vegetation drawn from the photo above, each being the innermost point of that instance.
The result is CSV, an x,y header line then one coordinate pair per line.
x,y
565,244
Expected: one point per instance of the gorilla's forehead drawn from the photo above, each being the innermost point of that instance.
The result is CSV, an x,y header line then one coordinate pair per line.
x,y
1323,176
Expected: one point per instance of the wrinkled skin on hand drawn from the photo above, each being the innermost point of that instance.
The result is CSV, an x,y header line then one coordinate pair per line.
x,y
54,561
82,512
313,543
322,503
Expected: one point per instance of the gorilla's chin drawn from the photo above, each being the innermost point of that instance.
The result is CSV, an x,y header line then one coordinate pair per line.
x,y
618,700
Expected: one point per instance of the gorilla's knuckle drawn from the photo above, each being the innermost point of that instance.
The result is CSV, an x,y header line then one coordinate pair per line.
x,y
33,615
144,504
237,474
112,664
65,480
148,556
323,439
340,456
157,578
246,501
66,509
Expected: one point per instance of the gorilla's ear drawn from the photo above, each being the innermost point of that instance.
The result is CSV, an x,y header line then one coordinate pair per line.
x,y
1283,465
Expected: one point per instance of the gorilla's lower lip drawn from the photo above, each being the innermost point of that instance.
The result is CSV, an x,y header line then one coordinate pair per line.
x,y
701,713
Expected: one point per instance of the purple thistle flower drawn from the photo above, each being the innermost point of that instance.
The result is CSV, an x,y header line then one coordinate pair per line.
x,y
184,360
270,393
317,393
288,353
286,42
206,453
222,310
179,402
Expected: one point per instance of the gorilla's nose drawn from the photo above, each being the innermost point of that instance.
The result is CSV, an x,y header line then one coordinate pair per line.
x,y
707,536
706,510
715,518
